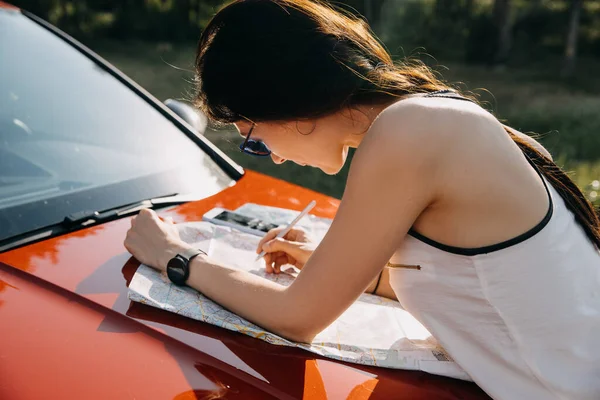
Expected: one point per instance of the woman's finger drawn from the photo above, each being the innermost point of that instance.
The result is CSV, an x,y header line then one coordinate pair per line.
x,y
282,246
279,261
292,261
268,263
148,213
269,236
271,257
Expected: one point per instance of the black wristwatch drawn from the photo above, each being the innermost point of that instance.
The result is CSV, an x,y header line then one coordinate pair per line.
x,y
178,267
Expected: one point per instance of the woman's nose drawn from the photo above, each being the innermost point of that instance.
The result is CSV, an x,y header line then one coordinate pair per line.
x,y
277,159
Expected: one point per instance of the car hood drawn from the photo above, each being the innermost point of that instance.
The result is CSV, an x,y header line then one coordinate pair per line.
x,y
8,6
68,329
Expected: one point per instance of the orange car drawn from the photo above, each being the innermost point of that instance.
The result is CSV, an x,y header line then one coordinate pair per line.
x,y
82,149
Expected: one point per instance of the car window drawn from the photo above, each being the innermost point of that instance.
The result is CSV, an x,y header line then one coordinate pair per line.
x,y
67,126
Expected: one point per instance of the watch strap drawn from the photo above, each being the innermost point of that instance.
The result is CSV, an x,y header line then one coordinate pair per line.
x,y
178,268
191,253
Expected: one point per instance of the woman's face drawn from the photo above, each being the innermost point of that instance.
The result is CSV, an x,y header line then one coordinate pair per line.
x,y
316,143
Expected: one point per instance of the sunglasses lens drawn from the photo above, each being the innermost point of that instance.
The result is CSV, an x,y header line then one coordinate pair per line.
x,y
256,148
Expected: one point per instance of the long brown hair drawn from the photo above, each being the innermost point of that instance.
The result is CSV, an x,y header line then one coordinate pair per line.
x,y
576,202
275,60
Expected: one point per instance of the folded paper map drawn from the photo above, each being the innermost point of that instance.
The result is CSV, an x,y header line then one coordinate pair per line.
x,y
373,331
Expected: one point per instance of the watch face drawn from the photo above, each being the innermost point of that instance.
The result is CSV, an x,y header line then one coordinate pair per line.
x,y
177,270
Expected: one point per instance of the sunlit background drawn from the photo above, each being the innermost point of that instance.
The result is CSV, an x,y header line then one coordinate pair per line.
x,y
533,63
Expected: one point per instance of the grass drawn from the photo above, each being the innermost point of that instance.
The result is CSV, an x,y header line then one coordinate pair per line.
x,y
564,112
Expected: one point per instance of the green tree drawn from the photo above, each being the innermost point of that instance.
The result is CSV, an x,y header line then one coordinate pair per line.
x,y
503,23
370,10
572,38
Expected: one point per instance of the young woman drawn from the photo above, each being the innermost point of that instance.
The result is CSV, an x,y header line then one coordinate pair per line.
x,y
486,241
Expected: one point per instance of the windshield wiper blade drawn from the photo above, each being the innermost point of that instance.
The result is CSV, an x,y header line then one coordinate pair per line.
x,y
88,217
83,219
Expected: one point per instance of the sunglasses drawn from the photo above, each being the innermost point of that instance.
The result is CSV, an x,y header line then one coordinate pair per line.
x,y
254,147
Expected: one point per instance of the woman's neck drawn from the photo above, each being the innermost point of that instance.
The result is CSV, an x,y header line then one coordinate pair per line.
x,y
358,121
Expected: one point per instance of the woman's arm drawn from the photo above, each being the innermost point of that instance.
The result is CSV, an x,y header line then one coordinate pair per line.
x,y
391,181
389,184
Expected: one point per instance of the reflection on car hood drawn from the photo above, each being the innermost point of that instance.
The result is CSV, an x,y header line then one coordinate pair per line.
x,y
69,329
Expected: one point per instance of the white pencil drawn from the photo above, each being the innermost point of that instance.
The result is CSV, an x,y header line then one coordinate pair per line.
x,y
290,225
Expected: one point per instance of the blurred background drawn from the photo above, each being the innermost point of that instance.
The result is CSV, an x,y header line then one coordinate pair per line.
x,y
533,63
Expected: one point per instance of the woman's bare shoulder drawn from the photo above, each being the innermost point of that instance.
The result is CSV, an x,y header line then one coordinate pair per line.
x,y
426,127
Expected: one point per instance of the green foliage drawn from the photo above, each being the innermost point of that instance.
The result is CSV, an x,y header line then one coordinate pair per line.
x,y
570,126
459,30
402,27
587,177
465,30
176,20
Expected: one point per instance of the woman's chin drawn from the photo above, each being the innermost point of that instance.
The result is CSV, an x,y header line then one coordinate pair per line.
x,y
335,169
331,170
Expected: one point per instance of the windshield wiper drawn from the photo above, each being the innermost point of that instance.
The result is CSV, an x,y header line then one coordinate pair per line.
x,y
83,219
88,217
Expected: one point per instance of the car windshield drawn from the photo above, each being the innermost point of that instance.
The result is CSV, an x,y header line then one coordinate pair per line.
x,y
73,137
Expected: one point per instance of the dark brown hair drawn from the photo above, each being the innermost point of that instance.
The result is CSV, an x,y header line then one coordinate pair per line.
x,y
277,60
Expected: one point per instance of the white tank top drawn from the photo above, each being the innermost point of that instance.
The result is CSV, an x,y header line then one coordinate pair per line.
x,y
522,318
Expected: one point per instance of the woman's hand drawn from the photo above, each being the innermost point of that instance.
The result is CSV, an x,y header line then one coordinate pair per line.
x,y
152,241
294,248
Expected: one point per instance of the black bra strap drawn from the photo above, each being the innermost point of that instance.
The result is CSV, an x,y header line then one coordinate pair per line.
x,y
447,93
